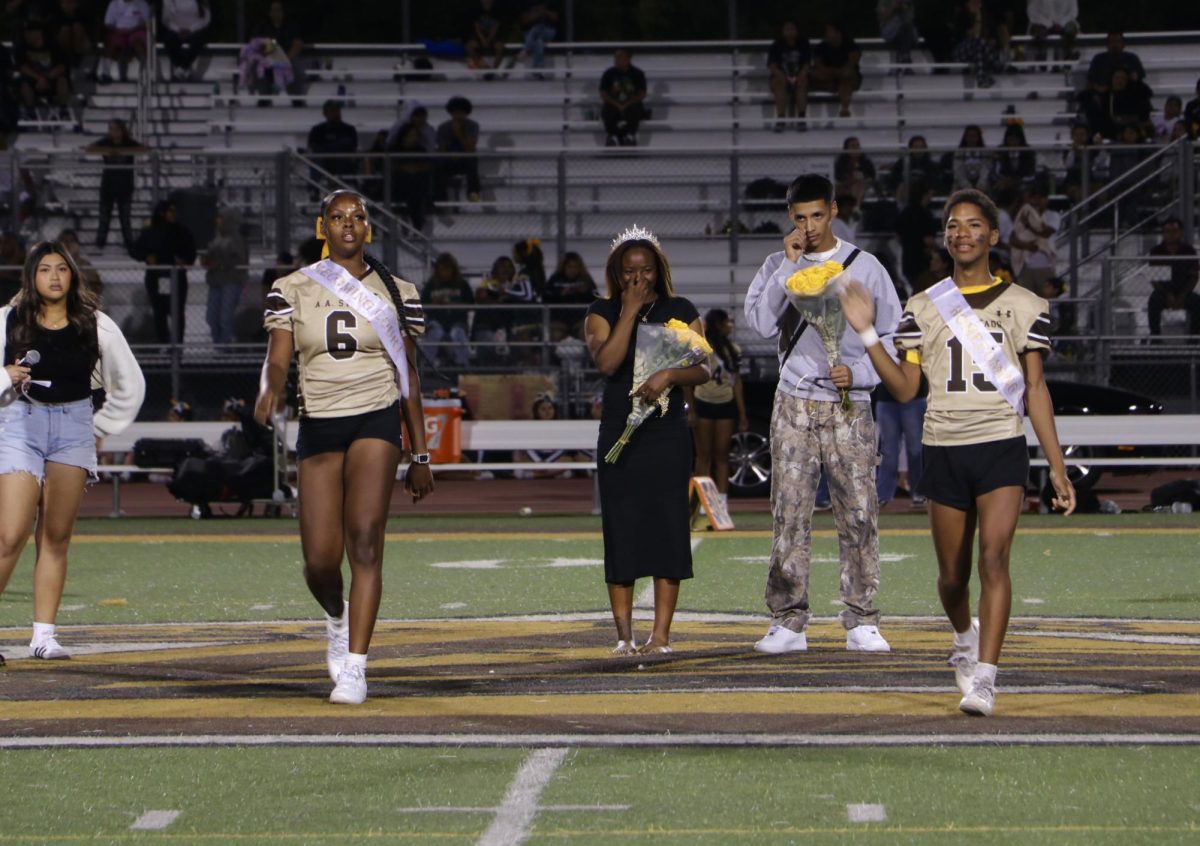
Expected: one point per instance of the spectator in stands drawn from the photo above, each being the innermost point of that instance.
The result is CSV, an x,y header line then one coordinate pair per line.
x,y
921,168
225,258
485,38
1053,17
527,286
538,20
10,113
917,228
459,136
971,162
168,249
282,31
1191,114
853,171
897,27
492,328
835,66
12,260
570,284
179,411
118,148
1126,101
981,43
373,164
1032,254
412,175
623,92
284,264
1114,57
44,77
88,274
1178,290
788,62
417,115
1164,122
1079,155
265,68
1014,164
126,23
1130,151
73,28
333,142
446,286
940,266
185,33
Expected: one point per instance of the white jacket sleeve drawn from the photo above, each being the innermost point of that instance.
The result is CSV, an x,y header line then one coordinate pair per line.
x,y
7,394
121,378
766,301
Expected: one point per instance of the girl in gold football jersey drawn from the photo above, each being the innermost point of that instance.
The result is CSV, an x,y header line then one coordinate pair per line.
x,y
979,342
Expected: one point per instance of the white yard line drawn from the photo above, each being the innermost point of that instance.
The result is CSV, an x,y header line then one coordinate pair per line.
x,y
154,820
519,807
866,813
682,740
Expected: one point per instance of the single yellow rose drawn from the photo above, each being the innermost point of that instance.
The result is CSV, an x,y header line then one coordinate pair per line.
x,y
812,280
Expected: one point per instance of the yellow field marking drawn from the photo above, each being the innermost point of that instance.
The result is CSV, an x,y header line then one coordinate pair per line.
x,y
756,534
619,704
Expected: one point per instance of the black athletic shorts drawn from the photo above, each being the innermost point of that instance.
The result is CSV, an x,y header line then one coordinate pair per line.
x,y
715,410
956,475
335,434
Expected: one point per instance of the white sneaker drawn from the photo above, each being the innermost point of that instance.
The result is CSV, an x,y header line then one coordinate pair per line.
x,y
351,686
338,636
979,699
866,639
780,639
48,649
963,659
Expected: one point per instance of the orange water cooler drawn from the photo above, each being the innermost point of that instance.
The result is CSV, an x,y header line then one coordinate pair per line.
x,y
443,430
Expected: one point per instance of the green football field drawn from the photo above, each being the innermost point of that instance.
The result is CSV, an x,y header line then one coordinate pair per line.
x,y
1015,781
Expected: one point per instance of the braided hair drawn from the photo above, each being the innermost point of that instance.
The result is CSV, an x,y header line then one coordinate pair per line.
x,y
379,268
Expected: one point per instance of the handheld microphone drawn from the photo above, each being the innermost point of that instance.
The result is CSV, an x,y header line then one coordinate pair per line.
x,y
30,359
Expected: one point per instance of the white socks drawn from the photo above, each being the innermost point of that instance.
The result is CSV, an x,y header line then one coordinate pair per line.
x,y
968,638
356,659
985,674
42,632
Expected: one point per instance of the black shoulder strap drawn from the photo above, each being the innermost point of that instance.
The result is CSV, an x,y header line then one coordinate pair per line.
x,y
795,337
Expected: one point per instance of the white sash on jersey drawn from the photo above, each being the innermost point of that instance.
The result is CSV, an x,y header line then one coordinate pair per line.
x,y
338,281
988,355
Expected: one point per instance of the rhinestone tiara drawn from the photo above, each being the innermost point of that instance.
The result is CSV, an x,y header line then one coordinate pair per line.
x,y
635,233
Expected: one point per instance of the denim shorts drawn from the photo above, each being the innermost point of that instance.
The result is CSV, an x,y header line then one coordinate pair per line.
x,y
32,434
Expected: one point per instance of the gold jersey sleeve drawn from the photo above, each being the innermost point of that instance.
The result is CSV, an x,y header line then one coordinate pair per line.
x,y
964,407
344,367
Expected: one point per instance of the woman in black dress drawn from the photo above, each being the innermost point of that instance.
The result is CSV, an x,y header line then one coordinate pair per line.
x,y
644,495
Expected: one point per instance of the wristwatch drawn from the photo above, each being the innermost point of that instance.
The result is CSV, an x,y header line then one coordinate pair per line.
x,y
420,458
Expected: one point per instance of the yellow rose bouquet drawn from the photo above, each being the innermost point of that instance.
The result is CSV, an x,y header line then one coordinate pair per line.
x,y
814,293
658,347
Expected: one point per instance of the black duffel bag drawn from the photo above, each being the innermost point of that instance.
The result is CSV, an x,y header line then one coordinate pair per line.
x,y
167,452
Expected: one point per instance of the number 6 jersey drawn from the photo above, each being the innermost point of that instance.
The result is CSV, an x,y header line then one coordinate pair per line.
x,y
964,407
344,367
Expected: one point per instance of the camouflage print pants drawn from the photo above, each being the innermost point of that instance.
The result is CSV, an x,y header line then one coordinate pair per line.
x,y
804,435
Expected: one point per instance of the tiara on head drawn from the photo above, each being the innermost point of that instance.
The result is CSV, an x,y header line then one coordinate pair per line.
x,y
635,233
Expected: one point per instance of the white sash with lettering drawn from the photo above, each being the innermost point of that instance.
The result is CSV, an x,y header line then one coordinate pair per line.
x,y
338,281
987,354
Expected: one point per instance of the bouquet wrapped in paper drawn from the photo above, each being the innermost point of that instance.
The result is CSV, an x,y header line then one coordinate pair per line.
x,y
814,293
672,344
